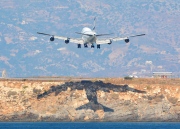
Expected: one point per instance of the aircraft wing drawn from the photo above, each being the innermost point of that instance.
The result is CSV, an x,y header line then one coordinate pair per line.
x,y
110,40
76,40
106,41
73,40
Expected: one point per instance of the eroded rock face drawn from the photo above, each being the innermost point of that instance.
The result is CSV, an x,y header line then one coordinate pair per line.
x,y
88,101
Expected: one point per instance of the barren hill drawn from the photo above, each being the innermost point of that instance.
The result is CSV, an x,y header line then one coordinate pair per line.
x,y
112,99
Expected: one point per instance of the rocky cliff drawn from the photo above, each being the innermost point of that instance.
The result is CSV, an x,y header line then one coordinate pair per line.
x,y
24,53
90,100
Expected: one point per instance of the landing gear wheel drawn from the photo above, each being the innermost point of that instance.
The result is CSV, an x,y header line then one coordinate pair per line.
x,y
85,45
79,45
98,46
92,46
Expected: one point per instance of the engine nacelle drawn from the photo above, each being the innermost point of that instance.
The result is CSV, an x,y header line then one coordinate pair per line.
x,y
126,40
110,41
52,38
66,41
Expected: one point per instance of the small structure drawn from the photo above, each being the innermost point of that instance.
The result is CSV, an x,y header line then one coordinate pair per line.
x,y
162,74
4,74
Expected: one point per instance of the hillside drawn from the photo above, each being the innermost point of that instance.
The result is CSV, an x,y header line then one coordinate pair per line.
x,y
24,53
112,99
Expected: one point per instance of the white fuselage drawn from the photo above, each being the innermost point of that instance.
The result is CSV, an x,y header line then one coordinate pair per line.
x,y
89,36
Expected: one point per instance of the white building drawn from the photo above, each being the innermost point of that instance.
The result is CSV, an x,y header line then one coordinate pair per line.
x,y
162,74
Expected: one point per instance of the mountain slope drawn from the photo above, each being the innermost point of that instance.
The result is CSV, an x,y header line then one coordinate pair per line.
x,y
24,53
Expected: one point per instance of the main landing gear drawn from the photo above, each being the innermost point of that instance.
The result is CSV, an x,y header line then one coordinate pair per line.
x,y
79,45
86,46
92,46
98,46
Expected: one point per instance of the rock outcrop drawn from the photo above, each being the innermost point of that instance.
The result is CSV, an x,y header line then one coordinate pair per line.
x,y
92,100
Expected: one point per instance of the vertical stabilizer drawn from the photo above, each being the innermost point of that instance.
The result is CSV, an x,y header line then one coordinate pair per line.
x,y
94,23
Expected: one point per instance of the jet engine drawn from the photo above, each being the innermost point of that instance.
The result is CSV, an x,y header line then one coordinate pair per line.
x,y
66,41
110,41
126,40
52,38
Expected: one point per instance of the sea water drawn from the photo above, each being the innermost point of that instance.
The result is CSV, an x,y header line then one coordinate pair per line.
x,y
89,125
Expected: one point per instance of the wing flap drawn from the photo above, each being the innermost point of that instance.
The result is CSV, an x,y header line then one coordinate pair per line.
x,y
76,40
103,41
72,40
119,38
61,37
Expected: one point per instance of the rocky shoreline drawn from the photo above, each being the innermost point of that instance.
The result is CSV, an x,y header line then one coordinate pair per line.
x,y
90,100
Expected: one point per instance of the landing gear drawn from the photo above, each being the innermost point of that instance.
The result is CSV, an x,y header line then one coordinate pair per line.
x,y
92,46
85,45
79,45
98,46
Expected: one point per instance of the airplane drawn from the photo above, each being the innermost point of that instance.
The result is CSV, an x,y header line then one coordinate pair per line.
x,y
89,36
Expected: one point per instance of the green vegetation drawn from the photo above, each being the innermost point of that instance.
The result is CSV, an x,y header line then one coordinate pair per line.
x,y
11,93
148,87
36,91
24,87
128,78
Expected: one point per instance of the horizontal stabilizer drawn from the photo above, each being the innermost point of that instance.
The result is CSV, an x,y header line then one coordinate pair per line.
x,y
104,34
92,35
83,34
95,107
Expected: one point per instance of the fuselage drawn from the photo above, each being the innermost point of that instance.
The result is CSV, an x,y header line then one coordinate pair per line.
x,y
88,36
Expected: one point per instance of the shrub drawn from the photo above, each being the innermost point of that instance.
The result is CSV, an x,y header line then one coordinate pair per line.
x,y
128,78
10,93
36,91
